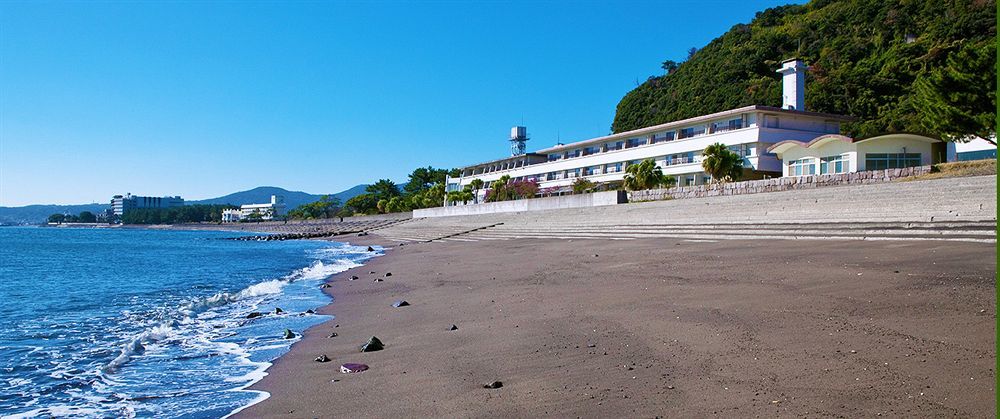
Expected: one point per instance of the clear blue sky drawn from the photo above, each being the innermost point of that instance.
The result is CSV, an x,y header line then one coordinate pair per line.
x,y
201,99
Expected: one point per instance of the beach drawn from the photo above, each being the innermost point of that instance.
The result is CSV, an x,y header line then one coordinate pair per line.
x,y
651,327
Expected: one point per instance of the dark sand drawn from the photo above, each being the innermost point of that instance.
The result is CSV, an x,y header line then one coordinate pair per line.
x,y
678,328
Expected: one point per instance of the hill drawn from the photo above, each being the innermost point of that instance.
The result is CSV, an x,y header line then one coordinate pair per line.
x,y
36,214
867,60
263,194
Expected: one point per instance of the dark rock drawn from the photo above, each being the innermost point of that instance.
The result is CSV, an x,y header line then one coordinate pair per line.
x,y
254,315
310,311
371,272
591,345
388,274
322,358
324,286
354,277
372,345
378,280
400,303
289,334
371,249
453,327
278,310
333,335
495,384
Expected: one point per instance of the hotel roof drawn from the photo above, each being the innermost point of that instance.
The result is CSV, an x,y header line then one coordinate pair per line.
x,y
702,118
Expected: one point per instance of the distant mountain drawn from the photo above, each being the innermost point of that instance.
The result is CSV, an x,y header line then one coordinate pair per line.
x,y
36,214
262,194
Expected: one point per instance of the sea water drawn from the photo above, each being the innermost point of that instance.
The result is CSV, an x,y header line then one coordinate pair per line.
x,y
150,323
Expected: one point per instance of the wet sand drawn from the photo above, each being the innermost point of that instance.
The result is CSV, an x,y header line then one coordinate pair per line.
x,y
645,328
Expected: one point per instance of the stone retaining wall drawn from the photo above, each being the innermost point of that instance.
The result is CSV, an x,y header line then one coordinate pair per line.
x,y
777,184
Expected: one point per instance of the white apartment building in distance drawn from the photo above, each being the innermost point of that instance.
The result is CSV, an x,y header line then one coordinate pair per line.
x,y
268,211
120,204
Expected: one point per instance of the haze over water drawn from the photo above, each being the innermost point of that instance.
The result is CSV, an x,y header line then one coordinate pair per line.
x,y
128,322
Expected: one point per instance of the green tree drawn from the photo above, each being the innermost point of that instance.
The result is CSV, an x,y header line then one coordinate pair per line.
x,y
645,175
959,98
57,218
499,190
87,217
723,165
581,185
476,184
382,204
326,207
396,204
463,196
669,66
424,178
864,62
365,203
383,189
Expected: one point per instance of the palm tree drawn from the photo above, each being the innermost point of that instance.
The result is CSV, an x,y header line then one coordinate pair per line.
x,y
476,185
500,190
722,164
644,175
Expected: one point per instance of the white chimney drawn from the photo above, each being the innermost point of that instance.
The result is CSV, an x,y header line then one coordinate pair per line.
x,y
793,80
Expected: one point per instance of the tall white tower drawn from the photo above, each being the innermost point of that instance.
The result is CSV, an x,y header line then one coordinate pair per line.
x,y
518,140
793,80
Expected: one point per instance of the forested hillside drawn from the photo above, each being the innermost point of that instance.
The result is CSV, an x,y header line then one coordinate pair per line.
x,y
921,66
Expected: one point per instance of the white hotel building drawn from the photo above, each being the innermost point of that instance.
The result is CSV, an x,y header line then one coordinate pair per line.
x,y
676,147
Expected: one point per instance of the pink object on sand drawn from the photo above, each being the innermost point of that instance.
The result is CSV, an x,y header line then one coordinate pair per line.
x,y
352,368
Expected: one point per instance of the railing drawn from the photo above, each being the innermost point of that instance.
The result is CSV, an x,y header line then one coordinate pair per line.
x,y
682,160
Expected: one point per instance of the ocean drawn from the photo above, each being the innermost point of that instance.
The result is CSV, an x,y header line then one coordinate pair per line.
x,y
143,323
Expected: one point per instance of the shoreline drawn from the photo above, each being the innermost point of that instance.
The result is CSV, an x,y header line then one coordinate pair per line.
x,y
528,312
263,395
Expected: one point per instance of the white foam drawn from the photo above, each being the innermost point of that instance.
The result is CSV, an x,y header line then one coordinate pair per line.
x,y
136,346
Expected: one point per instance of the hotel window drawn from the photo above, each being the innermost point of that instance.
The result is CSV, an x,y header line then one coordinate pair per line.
x,y
691,132
613,168
591,150
635,142
573,173
729,125
882,161
592,170
618,145
801,167
663,137
574,153
833,164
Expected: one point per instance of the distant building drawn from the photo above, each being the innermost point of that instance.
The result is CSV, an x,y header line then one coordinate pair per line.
x,y
975,148
269,211
231,215
122,204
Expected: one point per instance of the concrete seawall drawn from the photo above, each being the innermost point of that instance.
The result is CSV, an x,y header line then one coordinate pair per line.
x,y
538,204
